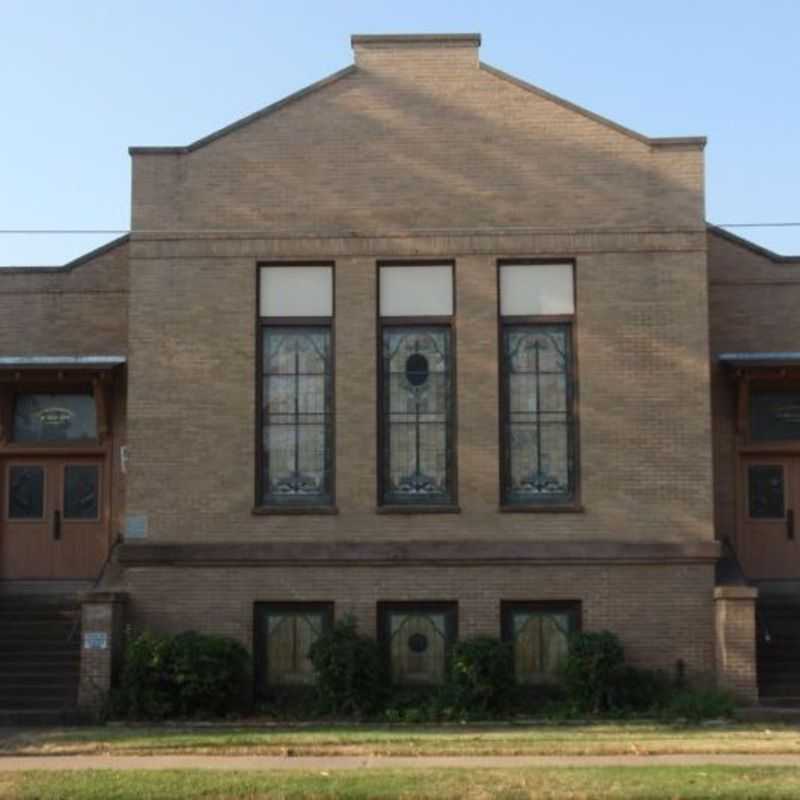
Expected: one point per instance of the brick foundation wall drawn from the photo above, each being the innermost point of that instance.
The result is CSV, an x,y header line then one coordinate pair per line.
x,y
661,612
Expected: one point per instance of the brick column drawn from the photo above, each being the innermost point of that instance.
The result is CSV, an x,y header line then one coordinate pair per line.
x,y
102,634
735,633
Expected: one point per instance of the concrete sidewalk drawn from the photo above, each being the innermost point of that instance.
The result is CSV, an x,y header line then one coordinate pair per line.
x,y
329,763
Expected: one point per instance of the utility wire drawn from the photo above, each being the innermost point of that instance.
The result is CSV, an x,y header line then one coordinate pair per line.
x,y
119,231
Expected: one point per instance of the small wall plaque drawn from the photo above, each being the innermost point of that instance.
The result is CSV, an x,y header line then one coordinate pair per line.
x,y
136,526
95,640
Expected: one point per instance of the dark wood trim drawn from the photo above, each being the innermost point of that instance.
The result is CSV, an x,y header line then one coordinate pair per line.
x,y
452,410
449,322
321,322
261,608
322,553
574,505
507,607
386,607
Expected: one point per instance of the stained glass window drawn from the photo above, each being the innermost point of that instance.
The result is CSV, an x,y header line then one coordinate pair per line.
x,y
54,417
538,424
417,415
418,639
297,431
540,639
25,492
81,491
774,415
765,491
286,634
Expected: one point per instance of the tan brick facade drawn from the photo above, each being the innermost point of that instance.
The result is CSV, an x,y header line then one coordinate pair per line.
x,y
419,151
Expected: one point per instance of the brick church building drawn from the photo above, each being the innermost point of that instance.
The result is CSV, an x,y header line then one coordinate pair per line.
x,y
420,343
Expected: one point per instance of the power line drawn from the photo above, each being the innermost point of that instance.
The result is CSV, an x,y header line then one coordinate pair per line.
x,y
120,231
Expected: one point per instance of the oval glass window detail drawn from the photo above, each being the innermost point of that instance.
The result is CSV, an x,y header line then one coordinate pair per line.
x,y
417,369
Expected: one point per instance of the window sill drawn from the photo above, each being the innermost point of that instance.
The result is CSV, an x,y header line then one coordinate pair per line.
x,y
567,508
290,511
411,509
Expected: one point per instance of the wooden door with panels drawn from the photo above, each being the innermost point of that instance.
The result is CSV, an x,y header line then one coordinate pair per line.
x,y
768,544
55,520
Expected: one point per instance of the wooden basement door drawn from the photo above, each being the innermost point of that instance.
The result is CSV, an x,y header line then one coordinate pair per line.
x,y
54,517
768,523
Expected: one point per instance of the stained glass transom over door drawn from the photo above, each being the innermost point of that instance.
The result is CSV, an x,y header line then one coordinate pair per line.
x,y
538,420
417,411
54,417
296,415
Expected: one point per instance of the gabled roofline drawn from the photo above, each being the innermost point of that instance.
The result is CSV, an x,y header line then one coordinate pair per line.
x,y
241,123
776,258
70,265
698,142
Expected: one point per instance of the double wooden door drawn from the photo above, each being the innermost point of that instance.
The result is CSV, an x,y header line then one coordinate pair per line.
x,y
54,522
768,525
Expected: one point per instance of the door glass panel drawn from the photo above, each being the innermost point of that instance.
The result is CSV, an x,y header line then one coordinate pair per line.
x,y
81,492
54,417
774,416
26,492
765,491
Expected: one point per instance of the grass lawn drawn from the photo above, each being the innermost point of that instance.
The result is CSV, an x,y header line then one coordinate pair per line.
x,y
566,739
686,783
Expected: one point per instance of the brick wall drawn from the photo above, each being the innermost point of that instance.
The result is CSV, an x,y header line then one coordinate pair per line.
x,y
753,302
79,309
415,139
676,622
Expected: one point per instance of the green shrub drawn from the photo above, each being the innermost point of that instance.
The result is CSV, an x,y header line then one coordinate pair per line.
x,y
189,674
210,674
591,668
349,671
145,690
481,675
698,704
639,690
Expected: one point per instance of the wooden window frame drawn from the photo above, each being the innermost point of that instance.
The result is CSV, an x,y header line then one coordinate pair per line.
x,y
261,611
297,508
386,608
572,504
573,608
94,387
432,321
10,465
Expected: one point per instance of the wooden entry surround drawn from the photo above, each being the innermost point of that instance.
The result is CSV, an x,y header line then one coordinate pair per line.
x,y
55,474
768,471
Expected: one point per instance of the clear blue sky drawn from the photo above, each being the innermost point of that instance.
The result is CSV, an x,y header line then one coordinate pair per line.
x,y
81,81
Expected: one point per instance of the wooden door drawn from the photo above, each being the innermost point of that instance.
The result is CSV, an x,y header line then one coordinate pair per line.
x,y
768,545
54,522
26,548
